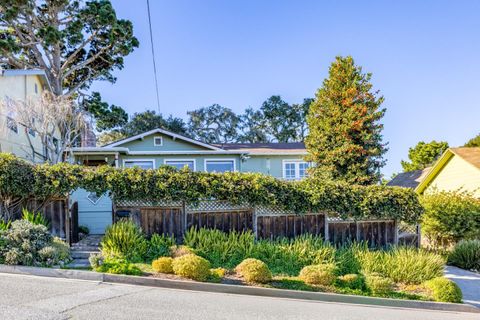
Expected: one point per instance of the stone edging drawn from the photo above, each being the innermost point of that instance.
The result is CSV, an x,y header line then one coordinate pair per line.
x,y
236,289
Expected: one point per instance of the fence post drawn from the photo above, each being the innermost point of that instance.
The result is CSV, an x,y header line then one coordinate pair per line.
x,y
254,225
395,233
419,235
357,231
68,237
184,209
326,235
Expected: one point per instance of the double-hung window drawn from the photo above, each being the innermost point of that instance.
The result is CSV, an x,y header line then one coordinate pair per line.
x,y
180,164
220,165
143,164
12,124
295,169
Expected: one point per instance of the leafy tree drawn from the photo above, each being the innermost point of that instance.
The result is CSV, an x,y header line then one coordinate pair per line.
x,y
214,124
281,119
109,137
149,120
424,155
474,142
74,42
302,111
253,127
345,133
106,116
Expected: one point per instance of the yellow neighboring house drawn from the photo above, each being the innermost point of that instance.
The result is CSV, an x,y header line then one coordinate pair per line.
x,y
20,85
458,169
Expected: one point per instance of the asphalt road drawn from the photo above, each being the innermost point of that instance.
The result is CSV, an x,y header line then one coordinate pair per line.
x,y
28,297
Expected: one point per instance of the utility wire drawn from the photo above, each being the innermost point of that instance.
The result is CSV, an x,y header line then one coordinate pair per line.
x,y
153,55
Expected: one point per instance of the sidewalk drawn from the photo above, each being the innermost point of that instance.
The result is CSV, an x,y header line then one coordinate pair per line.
x,y
468,281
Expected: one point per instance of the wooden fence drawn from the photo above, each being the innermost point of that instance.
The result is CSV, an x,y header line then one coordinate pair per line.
x,y
53,210
266,223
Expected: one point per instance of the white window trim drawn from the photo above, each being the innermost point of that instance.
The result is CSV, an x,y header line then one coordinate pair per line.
x,y
182,160
142,160
297,168
225,160
155,143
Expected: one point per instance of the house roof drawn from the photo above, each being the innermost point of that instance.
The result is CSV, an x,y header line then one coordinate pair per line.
x,y
266,148
470,155
27,72
162,131
409,179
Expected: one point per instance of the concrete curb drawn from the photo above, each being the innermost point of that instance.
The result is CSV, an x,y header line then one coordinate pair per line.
x,y
236,289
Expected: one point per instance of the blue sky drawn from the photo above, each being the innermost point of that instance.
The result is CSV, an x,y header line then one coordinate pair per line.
x,y
424,57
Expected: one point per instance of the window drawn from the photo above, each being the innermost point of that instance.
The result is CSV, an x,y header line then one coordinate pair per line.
x,y
180,164
36,88
295,170
30,130
219,165
143,164
12,124
157,141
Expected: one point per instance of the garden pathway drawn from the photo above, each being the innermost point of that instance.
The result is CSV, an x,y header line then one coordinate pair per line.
x,y
81,250
468,281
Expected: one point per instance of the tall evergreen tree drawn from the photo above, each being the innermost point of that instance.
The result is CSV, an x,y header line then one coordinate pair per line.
x,y
424,155
345,133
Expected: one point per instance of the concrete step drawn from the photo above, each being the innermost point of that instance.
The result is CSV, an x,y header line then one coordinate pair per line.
x,y
79,263
83,248
80,254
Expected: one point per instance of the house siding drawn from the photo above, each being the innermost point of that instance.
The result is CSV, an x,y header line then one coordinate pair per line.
x,y
19,87
169,144
268,164
456,175
199,159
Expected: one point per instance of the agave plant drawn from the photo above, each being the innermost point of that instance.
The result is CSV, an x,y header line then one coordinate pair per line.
x,y
35,218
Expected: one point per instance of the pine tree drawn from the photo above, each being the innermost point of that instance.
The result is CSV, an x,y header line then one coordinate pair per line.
x,y
345,133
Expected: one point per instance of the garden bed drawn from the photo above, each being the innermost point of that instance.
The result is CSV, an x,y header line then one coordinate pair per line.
x,y
305,263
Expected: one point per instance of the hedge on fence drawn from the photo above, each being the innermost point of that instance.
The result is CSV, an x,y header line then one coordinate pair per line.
x,y
19,179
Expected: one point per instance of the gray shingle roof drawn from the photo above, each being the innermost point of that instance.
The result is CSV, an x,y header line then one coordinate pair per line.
x,y
409,179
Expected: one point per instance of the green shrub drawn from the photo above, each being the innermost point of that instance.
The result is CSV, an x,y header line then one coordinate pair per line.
x,y
35,218
178,251
83,229
163,265
22,243
159,246
124,240
352,281
466,255
444,290
401,264
254,270
378,284
217,274
450,217
96,260
57,253
119,266
191,266
320,274
346,260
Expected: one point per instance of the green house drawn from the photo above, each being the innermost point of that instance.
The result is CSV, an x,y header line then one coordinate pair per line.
x,y
159,147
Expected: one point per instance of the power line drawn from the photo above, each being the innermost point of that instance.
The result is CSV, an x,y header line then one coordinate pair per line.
x,y
153,55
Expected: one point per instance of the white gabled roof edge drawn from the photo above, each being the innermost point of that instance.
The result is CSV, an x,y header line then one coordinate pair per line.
x,y
26,72
168,133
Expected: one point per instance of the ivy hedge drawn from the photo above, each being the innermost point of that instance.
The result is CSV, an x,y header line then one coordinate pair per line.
x,y
19,179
